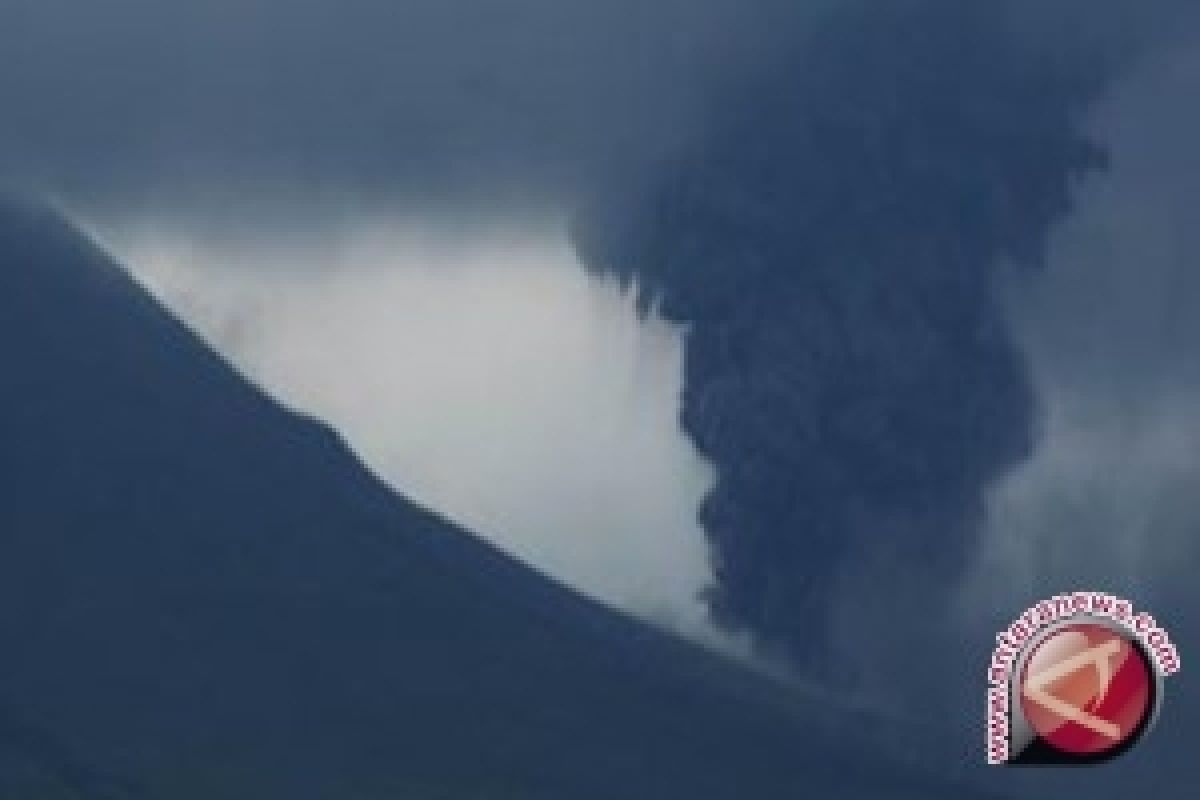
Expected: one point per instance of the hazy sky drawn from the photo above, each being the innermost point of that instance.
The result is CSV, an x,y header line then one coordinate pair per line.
x,y
1112,330
332,103
327,104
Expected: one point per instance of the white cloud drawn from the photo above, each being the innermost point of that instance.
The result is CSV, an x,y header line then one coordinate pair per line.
x,y
482,372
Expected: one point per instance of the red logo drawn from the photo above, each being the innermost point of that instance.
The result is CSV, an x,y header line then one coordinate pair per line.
x,y
1076,679
1087,690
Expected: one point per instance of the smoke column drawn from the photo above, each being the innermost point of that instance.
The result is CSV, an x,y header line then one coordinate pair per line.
x,y
834,241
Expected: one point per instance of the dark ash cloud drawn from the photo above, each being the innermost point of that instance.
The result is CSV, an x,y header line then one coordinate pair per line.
x,y
835,243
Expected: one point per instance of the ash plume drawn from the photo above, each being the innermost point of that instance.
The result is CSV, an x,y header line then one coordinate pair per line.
x,y
834,242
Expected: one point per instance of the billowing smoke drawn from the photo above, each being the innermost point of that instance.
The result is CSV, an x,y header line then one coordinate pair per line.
x,y
482,372
835,242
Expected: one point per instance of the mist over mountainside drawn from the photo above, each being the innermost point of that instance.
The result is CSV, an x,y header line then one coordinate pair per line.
x,y
484,374
202,595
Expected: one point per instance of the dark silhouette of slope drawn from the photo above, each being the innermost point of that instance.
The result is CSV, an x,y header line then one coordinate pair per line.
x,y
36,765
205,596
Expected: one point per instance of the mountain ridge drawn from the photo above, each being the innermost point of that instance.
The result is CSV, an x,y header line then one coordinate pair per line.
x,y
205,595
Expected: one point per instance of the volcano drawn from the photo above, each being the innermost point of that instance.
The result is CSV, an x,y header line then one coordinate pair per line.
x,y
205,595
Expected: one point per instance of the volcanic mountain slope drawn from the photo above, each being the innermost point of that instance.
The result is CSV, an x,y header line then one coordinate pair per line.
x,y
205,596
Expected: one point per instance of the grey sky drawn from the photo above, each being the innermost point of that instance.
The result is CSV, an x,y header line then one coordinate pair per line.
x,y
1112,330
358,97
327,104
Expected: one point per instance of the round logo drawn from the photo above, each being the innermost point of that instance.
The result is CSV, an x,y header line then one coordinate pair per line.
x,y
1088,690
